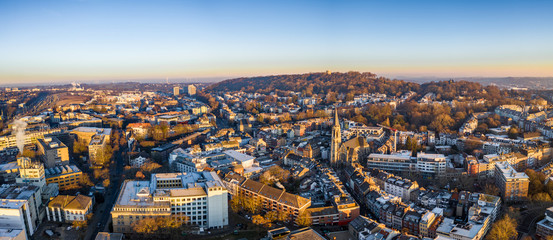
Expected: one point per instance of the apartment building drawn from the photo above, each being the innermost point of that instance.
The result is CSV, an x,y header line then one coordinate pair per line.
x,y
273,199
431,165
96,148
512,184
403,188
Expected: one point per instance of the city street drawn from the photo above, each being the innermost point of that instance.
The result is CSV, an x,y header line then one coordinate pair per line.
x,y
99,222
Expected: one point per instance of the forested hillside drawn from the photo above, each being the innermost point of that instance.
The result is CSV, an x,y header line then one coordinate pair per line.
x,y
319,83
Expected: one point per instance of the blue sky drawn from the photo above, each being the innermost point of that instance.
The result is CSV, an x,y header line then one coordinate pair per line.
x,y
91,40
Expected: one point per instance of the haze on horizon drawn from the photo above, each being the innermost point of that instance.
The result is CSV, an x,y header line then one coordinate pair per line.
x,y
99,40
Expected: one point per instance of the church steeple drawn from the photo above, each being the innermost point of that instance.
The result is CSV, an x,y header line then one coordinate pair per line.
x,y
336,121
336,140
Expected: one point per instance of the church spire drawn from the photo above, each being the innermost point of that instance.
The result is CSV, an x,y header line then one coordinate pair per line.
x,y
336,140
336,121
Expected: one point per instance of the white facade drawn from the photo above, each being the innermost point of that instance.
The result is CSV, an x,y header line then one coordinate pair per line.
x,y
138,162
21,209
431,164
200,198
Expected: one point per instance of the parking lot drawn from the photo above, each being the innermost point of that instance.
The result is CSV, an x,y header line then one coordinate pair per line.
x,y
60,230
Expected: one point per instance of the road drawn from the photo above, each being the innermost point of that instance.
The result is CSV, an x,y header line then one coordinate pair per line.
x,y
99,223
530,217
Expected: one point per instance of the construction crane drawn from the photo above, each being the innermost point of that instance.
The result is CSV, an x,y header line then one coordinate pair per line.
x,y
395,134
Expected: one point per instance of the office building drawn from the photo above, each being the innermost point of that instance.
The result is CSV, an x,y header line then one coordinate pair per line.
x,y
193,198
31,172
20,208
53,152
67,176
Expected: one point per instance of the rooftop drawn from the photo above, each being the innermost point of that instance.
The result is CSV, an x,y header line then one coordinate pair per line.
x,y
17,192
509,173
61,170
239,156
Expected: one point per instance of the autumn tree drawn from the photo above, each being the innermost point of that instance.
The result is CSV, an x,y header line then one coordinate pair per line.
x,y
79,224
283,216
505,228
253,204
271,216
79,147
513,132
258,220
106,183
101,173
236,203
28,153
140,175
304,219
155,225
442,123
85,180
491,189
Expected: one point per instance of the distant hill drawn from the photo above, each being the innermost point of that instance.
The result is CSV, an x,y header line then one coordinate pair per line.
x,y
319,83
537,83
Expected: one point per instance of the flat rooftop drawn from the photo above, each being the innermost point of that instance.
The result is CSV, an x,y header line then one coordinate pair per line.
x,y
17,192
509,172
238,156
137,194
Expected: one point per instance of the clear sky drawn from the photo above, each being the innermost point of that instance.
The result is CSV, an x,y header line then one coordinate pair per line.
x,y
90,40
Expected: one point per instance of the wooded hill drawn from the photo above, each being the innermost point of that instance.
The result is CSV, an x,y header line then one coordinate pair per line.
x,y
318,83
353,83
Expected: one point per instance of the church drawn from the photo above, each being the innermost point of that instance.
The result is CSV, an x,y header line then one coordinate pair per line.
x,y
348,152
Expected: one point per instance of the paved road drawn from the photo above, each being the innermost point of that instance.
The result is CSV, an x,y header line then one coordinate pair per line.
x,y
530,217
102,213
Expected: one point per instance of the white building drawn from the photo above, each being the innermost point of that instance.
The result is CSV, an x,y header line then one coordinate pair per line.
x,y
400,162
431,165
12,234
182,161
20,208
198,198
399,187
138,162
65,208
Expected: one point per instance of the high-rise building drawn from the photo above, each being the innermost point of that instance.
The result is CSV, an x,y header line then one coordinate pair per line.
x,y
191,90
336,140
176,91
